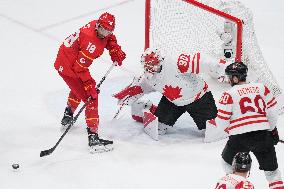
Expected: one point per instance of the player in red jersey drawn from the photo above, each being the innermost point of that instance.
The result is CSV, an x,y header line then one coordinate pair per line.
x,y
75,55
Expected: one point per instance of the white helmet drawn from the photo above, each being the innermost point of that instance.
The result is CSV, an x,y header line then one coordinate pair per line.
x,y
151,60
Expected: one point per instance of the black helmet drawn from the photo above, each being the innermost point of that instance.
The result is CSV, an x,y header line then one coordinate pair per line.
x,y
241,162
238,69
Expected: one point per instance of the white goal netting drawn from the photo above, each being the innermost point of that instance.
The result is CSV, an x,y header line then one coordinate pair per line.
x,y
177,26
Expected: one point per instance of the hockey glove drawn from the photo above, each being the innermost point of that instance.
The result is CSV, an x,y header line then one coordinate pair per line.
x,y
91,90
117,55
275,136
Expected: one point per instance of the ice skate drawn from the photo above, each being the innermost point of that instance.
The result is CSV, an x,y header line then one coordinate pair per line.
x,y
98,145
67,118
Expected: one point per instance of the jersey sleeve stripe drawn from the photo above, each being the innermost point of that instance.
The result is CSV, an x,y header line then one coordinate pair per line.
x,y
222,117
73,100
247,117
92,118
225,112
272,105
245,124
275,183
86,56
198,62
81,65
271,101
195,63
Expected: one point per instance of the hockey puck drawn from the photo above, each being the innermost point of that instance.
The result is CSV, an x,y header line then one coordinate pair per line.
x,y
15,166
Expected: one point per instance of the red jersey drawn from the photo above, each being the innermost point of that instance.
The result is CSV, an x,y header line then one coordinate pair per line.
x,y
78,51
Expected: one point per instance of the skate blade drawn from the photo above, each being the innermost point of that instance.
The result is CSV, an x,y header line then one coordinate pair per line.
x,y
100,149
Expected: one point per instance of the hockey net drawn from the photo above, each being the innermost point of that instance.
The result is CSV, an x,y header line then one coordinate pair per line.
x,y
191,26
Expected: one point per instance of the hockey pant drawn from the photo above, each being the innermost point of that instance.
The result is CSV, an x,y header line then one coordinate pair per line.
x,y
201,110
78,94
214,133
260,143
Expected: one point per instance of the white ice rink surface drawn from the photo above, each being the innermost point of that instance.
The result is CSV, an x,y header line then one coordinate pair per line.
x,y
33,98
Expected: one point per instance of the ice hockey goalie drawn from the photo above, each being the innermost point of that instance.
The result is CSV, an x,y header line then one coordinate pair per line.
x,y
182,88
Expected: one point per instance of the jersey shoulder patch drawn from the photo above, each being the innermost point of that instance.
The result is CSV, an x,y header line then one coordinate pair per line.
x,y
183,62
226,98
188,63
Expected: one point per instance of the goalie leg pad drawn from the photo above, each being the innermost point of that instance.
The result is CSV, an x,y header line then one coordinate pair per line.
x,y
152,126
213,133
150,122
137,107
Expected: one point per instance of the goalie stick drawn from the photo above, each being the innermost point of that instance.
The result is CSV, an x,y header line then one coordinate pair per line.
x,y
49,151
121,106
125,101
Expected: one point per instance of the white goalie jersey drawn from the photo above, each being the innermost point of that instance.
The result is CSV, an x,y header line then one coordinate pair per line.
x,y
178,80
232,181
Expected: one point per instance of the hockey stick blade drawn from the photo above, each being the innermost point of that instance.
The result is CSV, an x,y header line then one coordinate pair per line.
x,y
49,151
46,152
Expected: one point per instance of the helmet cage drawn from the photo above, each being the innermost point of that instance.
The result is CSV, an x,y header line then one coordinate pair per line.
x,y
152,60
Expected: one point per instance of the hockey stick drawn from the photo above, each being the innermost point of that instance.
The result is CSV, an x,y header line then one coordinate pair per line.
x,y
49,151
281,141
125,100
120,108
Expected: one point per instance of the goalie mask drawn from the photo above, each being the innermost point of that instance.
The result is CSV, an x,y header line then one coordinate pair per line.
x,y
241,162
151,60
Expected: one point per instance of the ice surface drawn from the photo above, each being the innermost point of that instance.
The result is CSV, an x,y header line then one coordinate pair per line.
x,y
33,97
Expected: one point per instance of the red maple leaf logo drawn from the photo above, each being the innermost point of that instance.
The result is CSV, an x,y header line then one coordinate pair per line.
x,y
172,93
